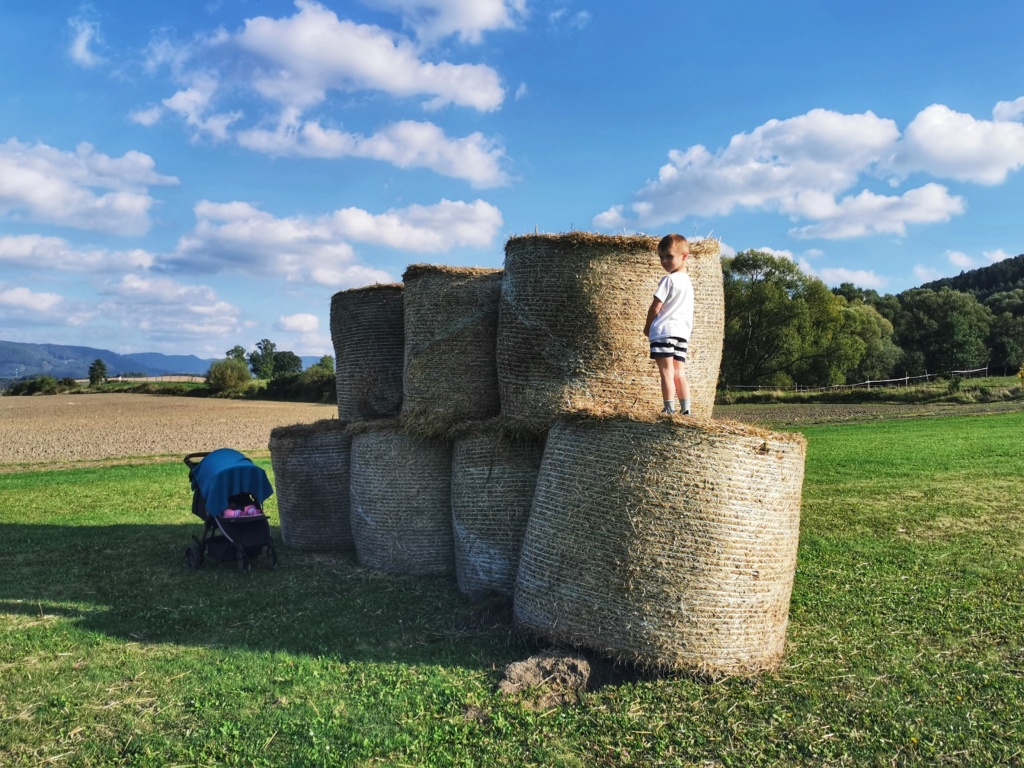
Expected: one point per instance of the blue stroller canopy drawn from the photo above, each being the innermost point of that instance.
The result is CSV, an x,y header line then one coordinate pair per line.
x,y
224,473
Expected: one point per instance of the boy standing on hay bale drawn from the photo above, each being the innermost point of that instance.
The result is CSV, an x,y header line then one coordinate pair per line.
x,y
670,322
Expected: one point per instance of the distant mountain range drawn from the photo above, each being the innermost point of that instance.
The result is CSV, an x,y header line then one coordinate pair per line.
x,y
19,360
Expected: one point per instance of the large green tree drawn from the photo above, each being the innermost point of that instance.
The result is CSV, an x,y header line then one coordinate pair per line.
x,y
261,361
286,363
97,372
943,330
782,326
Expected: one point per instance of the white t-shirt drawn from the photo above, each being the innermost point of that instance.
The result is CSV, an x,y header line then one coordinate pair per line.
x,y
675,291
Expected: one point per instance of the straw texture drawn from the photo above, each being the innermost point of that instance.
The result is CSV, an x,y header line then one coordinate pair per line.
x,y
367,328
401,502
669,544
570,329
451,326
311,472
493,481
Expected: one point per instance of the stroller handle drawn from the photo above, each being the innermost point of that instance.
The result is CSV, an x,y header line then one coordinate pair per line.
x,y
193,459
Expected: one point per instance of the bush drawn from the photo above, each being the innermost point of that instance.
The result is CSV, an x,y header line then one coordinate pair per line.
x,y
314,385
40,385
229,375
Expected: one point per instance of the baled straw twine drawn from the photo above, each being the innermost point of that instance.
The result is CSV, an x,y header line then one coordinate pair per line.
x,y
367,328
400,491
669,544
493,480
311,473
570,328
451,319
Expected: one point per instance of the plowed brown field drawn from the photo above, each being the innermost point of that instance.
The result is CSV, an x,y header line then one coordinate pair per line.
x,y
73,428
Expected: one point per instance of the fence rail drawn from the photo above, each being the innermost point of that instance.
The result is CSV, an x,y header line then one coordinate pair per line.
x,y
902,381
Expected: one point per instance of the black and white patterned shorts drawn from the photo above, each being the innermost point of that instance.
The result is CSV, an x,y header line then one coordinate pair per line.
x,y
671,346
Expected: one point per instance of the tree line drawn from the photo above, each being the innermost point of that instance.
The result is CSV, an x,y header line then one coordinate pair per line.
x,y
784,327
281,369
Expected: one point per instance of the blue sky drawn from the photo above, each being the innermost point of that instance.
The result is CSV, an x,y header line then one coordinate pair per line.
x,y
183,177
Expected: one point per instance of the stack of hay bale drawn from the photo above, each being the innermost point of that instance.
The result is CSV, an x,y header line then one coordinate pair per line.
x,y
666,541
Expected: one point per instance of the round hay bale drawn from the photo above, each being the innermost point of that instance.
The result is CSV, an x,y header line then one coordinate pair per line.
x,y
367,328
400,492
311,470
493,480
451,322
669,544
570,327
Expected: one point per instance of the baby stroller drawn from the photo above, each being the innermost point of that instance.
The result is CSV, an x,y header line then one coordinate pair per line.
x,y
228,491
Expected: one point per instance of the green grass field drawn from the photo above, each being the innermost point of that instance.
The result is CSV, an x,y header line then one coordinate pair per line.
x,y
906,634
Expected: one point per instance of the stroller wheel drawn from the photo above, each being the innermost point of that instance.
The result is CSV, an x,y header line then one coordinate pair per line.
x,y
271,557
194,555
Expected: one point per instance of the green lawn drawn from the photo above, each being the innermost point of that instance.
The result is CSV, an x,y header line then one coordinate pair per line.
x,y
906,639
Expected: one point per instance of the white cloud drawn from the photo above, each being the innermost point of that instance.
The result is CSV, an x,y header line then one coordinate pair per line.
x,y
807,168
85,34
997,255
960,259
56,254
521,91
785,254
954,145
300,323
193,105
23,299
865,278
314,51
433,20
562,17
406,144
49,185
795,167
1009,110
871,214
926,274
147,117
238,235
423,228
163,309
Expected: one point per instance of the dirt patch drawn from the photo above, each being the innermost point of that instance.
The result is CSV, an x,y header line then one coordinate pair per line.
x,y
37,432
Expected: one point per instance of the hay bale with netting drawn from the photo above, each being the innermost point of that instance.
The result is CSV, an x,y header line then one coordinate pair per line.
x,y
311,475
667,543
570,325
451,328
400,496
494,476
367,328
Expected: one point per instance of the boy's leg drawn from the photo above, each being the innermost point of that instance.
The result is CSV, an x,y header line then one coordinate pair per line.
x,y
666,369
682,386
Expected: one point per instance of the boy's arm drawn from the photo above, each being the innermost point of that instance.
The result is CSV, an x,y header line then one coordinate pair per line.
x,y
652,313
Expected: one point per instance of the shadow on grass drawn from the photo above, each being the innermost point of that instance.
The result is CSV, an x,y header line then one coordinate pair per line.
x,y
129,582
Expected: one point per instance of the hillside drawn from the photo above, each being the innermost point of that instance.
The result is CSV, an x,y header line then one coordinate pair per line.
x,y
1006,275
19,360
